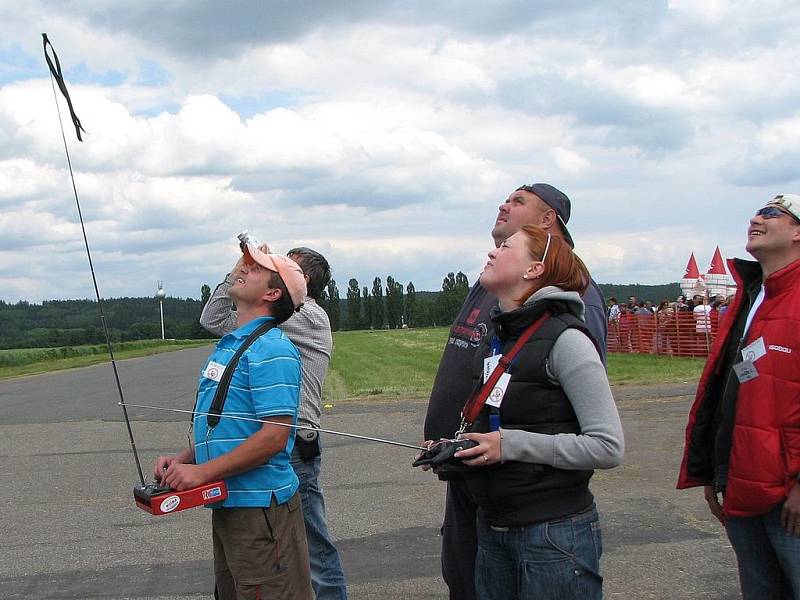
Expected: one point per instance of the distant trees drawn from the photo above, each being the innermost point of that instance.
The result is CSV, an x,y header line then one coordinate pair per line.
x,y
393,306
394,303
353,305
409,315
331,305
377,304
76,322
366,308
152,331
197,331
654,293
455,288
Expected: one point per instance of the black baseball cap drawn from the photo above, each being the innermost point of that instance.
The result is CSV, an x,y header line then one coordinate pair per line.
x,y
555,199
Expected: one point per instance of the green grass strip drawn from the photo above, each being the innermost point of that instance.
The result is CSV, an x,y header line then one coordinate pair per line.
x,y
645,369
404,362
30,361
393,363
398,362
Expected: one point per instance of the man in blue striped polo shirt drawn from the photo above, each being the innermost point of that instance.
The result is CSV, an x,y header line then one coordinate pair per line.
x,y
260,547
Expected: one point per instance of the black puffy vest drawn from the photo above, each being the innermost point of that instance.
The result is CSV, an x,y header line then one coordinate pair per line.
x,y
519,493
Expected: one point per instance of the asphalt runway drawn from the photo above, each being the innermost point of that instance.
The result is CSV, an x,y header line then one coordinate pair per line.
x,y
70,528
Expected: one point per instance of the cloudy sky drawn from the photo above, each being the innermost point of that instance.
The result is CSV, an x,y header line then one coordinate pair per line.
x,y
386,133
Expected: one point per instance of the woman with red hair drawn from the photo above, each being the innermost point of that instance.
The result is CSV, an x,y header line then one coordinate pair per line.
x,y
555,422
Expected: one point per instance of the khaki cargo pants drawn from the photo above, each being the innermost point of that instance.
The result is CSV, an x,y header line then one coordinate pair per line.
x,y
261,553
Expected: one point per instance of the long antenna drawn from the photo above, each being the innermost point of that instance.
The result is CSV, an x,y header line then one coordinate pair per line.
x,y
55,74
288,425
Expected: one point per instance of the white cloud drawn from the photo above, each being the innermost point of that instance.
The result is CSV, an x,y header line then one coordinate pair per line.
x,y
779,135
22,179
716,11
710,10
386,134
568,160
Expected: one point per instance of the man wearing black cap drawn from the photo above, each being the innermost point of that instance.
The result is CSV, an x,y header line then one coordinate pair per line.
x,y
543,205
538,204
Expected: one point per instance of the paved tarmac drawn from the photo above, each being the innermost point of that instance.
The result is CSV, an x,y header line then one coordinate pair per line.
x,y
70,528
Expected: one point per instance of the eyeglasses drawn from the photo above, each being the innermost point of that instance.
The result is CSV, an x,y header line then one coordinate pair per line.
x,y
773,212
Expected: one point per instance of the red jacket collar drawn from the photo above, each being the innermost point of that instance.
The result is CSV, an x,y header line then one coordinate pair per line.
x,y
783,278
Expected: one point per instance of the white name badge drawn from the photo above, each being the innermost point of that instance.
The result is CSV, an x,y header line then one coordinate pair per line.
x,y
754,351
489,363
213,371
745,371
498,391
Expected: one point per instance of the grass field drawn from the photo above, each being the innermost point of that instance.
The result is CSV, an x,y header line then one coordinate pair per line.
x,y
403,363
398,362
29,361
647,369
365,363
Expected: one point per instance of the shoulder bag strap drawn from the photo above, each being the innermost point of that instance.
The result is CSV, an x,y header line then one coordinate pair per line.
x,y
225,381
475,404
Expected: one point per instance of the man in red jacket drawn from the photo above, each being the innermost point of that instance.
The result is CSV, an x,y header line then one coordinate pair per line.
x,y
743,436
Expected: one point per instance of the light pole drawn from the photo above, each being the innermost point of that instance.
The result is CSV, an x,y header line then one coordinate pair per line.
x,y
160,294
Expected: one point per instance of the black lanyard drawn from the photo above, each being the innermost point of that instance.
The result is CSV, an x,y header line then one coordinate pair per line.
x,y
225,381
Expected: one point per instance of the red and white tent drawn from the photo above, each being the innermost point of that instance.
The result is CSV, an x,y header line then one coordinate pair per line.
x,y
719,282
716,282
691,278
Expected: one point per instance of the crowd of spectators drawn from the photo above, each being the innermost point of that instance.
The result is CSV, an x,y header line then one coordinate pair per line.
x,y
683,327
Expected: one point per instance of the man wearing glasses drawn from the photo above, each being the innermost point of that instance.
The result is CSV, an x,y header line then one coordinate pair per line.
x,y
743,436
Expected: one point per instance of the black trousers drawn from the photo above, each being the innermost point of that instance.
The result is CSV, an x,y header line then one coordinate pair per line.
x,y
459,541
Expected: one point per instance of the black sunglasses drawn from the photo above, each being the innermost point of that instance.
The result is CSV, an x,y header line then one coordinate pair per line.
x,y
773,212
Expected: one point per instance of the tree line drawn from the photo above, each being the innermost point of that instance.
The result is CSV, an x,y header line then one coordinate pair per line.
x,y
56,323
391,305
395,305
77,322
654,293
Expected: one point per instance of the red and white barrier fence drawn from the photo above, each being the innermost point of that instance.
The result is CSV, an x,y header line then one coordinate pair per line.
x,y
668,333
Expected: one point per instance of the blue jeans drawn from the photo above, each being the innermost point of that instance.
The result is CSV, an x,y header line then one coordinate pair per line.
x,y
768,557
327,576
557,560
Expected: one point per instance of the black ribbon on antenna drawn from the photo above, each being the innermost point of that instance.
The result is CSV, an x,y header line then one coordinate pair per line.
x,y
55,70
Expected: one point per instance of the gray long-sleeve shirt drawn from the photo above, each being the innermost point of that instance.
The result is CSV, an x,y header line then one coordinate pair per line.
x,y
309,329
574,365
